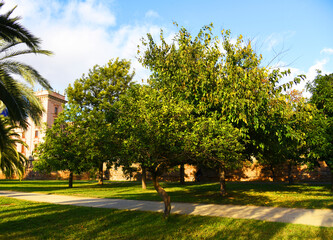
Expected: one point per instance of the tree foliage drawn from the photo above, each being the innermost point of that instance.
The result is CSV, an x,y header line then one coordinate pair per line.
x,y
11,161
152,128
223,81
95,95
64,146
216,144
320,137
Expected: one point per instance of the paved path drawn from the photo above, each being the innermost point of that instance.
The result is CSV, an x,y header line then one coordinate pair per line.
x,y
315,217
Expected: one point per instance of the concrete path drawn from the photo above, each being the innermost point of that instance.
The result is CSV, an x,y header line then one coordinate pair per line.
x,y
314,217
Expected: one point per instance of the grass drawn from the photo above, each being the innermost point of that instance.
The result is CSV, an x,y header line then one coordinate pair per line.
x,y
260,194
30,220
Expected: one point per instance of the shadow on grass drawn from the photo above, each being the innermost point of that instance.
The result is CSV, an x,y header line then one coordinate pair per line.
x,y
47,221
239,193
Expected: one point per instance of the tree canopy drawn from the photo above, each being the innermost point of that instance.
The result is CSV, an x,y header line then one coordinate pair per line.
x,y
64,146
95,95
152,128
320,137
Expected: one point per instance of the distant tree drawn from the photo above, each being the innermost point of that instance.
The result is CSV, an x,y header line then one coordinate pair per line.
x,y
320,138
64,146
283,140
152,128
95,95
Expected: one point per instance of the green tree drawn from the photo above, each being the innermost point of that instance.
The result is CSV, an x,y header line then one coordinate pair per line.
x,y
152,128
217,77
95,95
320,137
64,146
215,143
283,141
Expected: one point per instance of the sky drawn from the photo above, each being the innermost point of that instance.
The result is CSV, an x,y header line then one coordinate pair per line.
x,y
294,34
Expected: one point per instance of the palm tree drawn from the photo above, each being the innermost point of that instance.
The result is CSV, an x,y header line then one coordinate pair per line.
x,y
11,161
16,97
17,100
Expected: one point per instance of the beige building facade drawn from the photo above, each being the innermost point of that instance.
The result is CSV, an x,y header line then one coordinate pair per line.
x,y
53,104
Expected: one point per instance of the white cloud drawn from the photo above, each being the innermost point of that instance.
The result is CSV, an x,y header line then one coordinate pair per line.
x,y
81,34
327,51
310,74
319,65
152,14
276,39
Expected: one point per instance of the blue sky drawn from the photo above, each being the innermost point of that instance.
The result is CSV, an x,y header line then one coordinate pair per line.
x,y
88,32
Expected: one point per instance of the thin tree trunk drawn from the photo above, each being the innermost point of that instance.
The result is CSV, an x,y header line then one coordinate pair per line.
x,y
70,180
223,189
273,172
163,195
182,174
290,173
144,177
100,173
331,181
331,170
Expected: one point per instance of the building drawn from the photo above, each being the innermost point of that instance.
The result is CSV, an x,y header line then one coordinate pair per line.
x,y
53,104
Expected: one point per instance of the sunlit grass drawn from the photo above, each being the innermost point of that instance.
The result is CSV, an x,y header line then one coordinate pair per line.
x,y
261,194
30,220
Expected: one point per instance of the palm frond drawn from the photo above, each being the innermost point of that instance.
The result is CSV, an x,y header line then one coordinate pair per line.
x,y
12,31
11,161
27,72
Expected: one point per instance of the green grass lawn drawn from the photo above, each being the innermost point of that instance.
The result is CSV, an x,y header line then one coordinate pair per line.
x,y
260,194
31,220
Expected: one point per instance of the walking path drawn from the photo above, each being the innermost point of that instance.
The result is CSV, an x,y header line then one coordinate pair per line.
x,y
314,217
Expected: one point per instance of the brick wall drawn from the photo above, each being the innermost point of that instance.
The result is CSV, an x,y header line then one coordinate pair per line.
x,y
251,172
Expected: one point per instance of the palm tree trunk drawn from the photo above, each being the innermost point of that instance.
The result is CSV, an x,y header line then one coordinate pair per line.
x,y
182,174
223,189
163,195
144,177
70,179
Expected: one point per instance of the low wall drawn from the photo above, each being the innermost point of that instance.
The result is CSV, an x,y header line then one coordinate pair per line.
x,y
251,172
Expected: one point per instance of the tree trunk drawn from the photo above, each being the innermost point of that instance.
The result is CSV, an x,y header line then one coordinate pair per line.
x,y
331,170
100,174
144,177
70,180
273,172
182,174
163,195
331,181
223,189
290,173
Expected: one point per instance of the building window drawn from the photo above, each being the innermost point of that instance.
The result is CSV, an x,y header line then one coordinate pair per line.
x,y
36,134
55,110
